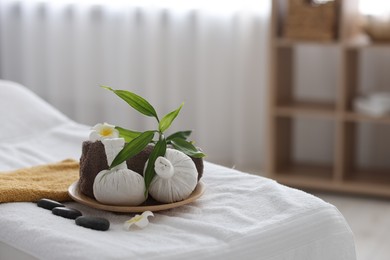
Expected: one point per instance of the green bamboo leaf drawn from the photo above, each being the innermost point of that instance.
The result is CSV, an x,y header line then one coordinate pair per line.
x,y
181,134
133,148
167,120
187,148
137,102
127,134
158,150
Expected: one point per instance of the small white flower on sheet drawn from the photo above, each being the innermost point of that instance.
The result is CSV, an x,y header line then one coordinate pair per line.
x,y
140,221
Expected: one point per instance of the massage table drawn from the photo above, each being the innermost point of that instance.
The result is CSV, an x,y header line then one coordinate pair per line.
x,y
239,216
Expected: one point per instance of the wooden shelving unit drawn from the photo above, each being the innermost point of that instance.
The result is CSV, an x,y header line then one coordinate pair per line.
x,y
343,174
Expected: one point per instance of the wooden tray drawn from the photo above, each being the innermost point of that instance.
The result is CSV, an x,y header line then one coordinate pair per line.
x,y
150,204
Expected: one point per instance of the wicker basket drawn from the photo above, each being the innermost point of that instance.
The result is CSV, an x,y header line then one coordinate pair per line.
x,y
306,20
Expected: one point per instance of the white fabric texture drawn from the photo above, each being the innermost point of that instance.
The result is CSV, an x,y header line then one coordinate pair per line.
x,y
240,216
213,60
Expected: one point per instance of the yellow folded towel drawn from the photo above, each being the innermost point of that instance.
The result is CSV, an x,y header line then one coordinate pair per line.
x,y
45,181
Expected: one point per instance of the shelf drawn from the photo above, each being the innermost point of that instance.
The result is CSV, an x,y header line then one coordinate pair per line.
x,y
368,45
307,108
346,147
362,188
283,42
358,117
364,42
305,175
372,182
351,187
307,171
371,175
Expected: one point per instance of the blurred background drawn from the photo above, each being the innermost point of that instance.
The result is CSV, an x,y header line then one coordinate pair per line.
x,y
211,56
214,57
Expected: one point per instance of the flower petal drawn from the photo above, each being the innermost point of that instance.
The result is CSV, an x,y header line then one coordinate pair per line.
x,y
143,222
147,214
127,225
97,127
108,125
94,136
140,221
115,133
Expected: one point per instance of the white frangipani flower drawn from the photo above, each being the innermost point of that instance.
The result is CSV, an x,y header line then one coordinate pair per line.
x,y
140,221
103,131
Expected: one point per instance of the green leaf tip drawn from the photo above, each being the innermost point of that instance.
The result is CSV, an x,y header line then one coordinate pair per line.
x,y
167,120
135,101
106,87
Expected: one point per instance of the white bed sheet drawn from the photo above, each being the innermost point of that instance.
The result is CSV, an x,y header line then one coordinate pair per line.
x,y
239,216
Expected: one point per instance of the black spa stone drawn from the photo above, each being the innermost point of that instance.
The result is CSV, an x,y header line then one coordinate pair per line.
x,y
95,223
49,204
66,212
